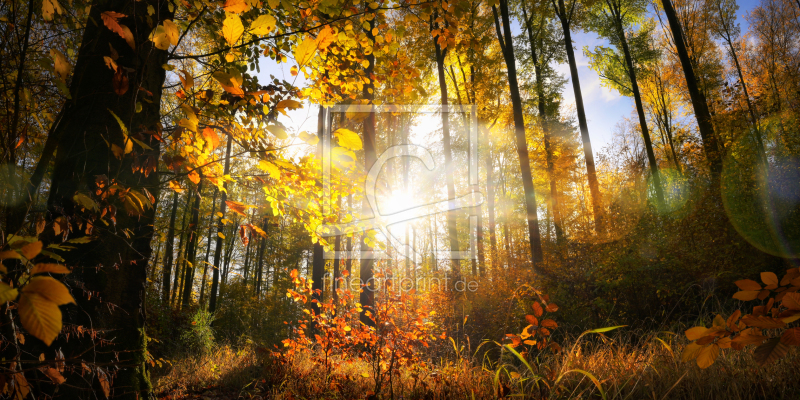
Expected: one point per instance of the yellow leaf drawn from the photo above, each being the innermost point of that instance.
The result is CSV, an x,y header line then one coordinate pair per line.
x,y
50,289
272,169
263,25
364,375
305,51
325,37
174,185
49,8
232,29
41,317
343,157
7,293
31,250
279,132
707,356
53,268
308,138
61,64
160,38
348,139
289,103
173,34
220,235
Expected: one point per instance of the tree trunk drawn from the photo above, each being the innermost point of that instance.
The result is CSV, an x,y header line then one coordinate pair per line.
x,y
507,47
208,247
112,266
168,253
452,227
318,267
588,154
212,300
544,122
637,98
699,105
191,251
180,260
366,274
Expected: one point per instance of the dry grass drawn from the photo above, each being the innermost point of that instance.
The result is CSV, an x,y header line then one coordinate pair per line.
x,y
650,370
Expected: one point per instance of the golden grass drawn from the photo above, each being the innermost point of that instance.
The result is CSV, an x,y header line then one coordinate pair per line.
x,y
649,370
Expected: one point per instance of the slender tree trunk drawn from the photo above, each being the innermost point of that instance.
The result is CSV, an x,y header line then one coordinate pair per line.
x,y
519,133
208,247
367,296
544,122
191,251
452,228
168,253
699,104
588,155
180,260
490,203
212,300
318,267
637,98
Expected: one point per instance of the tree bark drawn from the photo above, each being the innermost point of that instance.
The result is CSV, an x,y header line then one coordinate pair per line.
x,y
565,18
699,104
507,47
191,250
366,274
637,98
168,253
208,247
212,300
113,266
452,227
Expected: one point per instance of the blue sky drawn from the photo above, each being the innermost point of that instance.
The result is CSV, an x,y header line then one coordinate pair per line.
x,y
604,106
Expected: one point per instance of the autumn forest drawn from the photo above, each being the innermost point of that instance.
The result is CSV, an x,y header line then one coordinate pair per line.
x,y
399,199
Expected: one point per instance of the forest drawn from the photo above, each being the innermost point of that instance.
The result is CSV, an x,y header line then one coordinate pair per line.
x,y
399,199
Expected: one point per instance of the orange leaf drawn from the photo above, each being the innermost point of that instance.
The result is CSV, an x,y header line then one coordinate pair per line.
x,y
763,322
532,320
549,323
537,309
552,307
110,20
748,284
696,333
212,140
31,250
52,268
791,337
791,301
194,177
707,356
236,207
746,295
769,278
770,351
731,322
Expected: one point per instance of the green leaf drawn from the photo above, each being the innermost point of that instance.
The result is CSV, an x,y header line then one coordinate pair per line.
x,y
604,330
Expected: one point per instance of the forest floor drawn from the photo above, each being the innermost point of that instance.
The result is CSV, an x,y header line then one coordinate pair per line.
x,y
607,368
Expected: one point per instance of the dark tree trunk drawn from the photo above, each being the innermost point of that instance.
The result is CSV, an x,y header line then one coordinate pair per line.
x,y
191,251
565,17
212,300
168,251
544,121
452,227
208,247
318,267
366,274
519,132
637,98
699,104
113,266
180,260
